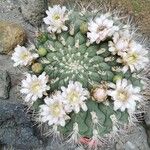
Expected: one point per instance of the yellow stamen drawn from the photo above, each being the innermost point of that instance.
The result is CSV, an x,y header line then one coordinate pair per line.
x,y
35,87
133,58
73,97
123,95
55,108
24,56
56,16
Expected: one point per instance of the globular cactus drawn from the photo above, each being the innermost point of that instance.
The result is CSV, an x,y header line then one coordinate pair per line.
x,y
70,56
81,57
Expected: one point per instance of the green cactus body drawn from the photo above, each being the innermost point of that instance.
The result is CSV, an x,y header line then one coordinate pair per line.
x,y
70,57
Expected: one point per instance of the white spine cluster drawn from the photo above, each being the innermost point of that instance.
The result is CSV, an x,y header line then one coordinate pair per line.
x,y
74,137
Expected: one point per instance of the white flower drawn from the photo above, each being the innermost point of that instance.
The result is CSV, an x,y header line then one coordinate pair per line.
x,y
101,28
53,110
135,59
22,56
56,18
124,95
74,97
121,42
34,87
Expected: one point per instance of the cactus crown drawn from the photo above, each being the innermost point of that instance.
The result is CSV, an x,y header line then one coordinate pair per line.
x,y
85,59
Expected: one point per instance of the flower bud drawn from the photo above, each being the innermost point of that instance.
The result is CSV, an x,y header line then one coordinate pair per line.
x,y
37,68
84,27
42,51
42,38
99,94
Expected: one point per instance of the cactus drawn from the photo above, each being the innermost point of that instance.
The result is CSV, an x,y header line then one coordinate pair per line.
x,y
94,67
70,57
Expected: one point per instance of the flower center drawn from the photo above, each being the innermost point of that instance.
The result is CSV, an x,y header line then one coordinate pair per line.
x,y
73,97
123,95
100,29
24,55
56,16
35,87
133,58
55,109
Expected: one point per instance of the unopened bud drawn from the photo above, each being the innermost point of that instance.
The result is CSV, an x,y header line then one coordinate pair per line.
x,y
100,93
42,51
37,68
84,27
